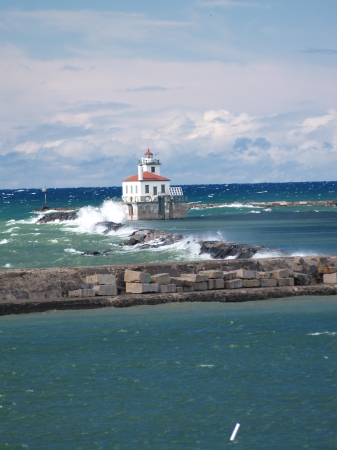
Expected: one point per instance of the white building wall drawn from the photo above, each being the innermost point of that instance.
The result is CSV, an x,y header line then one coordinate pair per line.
x,y
138,189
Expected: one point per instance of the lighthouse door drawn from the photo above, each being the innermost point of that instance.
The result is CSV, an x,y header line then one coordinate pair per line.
x,y
161,206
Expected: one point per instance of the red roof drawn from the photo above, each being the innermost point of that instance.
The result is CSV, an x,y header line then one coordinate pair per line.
x,y
148,153
147,176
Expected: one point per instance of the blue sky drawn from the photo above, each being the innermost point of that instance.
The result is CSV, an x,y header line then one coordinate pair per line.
x,y
222,91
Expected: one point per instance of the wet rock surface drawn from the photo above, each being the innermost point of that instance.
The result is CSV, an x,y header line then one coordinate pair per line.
x,y
223,250
153,238
216,249
109,226
61,216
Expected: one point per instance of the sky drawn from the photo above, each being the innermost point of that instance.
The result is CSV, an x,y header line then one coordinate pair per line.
x,y
222,91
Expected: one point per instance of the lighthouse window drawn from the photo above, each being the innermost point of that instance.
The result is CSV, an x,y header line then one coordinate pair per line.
x,y
163,188
154,190
136,189
147,189
153,169
131,191
126,189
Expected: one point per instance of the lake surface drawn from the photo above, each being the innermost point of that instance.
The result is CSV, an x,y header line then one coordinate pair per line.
x,y
305,230
176,376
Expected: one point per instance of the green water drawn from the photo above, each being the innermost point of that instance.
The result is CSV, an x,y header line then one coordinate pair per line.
x,y
176,376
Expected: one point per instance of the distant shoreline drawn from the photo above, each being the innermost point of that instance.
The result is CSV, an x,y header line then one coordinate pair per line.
x,y
262,204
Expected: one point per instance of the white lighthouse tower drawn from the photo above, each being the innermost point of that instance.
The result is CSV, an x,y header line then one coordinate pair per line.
x,y
147,195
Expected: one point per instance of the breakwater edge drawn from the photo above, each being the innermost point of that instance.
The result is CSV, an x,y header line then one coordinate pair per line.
x,y
34,290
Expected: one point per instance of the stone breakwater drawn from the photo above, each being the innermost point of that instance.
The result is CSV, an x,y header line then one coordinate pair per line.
x,y
23,291
263,204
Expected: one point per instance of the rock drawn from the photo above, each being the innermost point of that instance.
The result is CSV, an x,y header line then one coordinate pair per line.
x,y
251,283
301,278
233,284
160,278
271,282
215,283
150,238
247,274
109,226
223,250
133,276
91,253
61,216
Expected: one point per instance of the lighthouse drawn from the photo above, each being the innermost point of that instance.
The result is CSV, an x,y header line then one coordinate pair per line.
x,y
148,195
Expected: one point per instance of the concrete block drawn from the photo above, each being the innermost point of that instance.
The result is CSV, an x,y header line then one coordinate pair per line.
x,y
285,282
196,277
180,281
133,276
179,289
153,287
216,283
229,275
101,279
263,275
271,282
141,288
87,293
188,288
246,274
330,278
200,286
233,284
281,273
75,293
160,278
323,270
105,289
251,283
212,274
163,289
171,288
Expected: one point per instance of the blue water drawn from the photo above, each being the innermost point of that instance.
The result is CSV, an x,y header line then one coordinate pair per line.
x,y
176,376
304,230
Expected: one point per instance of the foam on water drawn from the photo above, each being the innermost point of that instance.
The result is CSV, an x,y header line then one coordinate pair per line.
x,y
89,216
3,241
